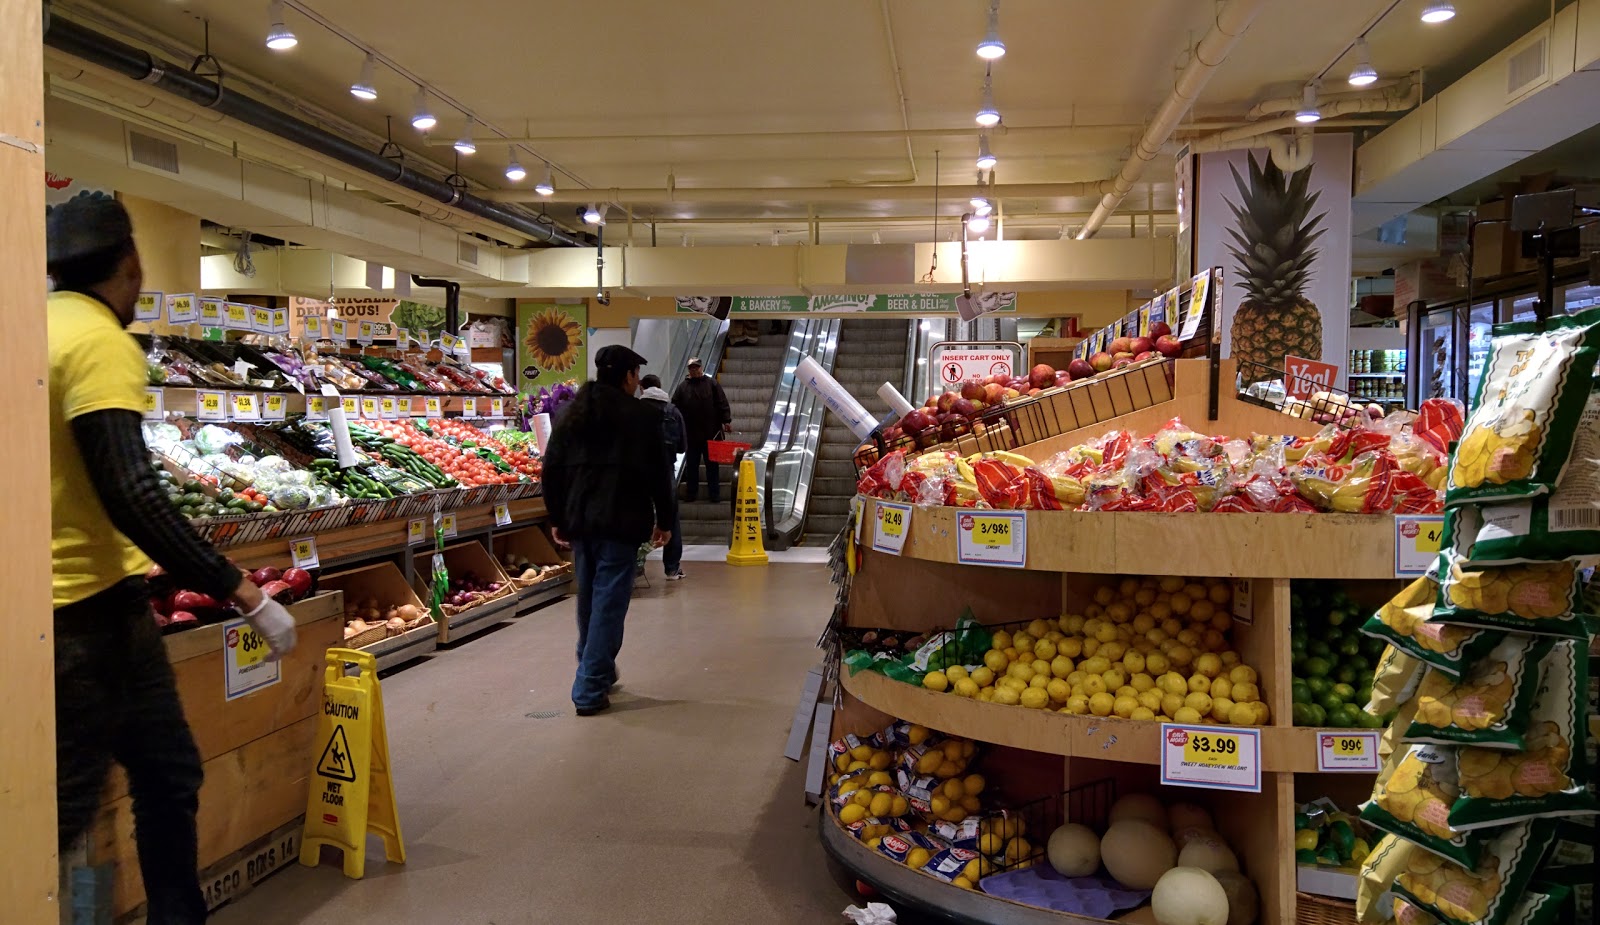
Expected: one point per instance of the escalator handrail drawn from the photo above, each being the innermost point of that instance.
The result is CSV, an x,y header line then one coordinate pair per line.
x,y
781,417
805,440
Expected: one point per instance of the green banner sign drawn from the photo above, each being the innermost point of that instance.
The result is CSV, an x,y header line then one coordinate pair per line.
x,y
927,303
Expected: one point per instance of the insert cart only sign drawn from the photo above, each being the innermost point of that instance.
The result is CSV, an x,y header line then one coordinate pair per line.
x,y
956,363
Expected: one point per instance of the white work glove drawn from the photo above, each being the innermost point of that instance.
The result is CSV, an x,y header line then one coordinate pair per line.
x,y
274,623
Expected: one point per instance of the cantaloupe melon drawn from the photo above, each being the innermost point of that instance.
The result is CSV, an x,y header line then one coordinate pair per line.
x,y
1243,906
1189,896
1137,853
1074,850
1140,806
1185,815
1182,837
1209,853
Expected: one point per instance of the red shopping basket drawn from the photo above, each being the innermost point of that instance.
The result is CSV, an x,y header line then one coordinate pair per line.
x,y
724,451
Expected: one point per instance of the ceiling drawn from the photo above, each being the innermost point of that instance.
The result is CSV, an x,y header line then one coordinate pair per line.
x,y
630,93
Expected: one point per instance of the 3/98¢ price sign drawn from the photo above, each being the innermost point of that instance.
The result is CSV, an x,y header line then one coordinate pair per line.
x,y
1211,757
992,538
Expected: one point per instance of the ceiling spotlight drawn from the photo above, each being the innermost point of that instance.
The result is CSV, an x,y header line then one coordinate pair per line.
x,y
546,186
986,158
1438,12
978,224
991,47
515,171
1309,112
465,144
592,215
1364,72
279,38
987,113
363,88
421,119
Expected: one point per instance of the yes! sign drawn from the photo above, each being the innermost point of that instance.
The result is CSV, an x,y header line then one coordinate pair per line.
x,y
1302,377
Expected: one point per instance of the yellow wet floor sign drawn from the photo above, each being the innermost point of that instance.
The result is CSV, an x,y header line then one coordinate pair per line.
x,y
746,548
351,793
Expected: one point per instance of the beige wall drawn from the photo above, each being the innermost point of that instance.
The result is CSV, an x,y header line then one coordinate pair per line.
x,y
1098,307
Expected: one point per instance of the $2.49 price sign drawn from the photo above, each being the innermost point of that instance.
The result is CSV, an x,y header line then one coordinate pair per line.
x,y
992,538
1211,757
894,524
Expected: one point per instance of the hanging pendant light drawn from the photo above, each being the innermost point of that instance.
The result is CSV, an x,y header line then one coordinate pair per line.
x,y
1308,112
547,185
991,47
1438,12
515,171
421,118
986,158
988,114
364,88
593,216
1364,73
465,144
279,37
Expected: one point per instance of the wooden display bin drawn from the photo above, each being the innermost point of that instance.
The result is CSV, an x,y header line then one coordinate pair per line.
x,y
384,583
534,544
460,558
257,758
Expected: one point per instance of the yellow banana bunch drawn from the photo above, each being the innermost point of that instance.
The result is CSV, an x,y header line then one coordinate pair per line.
x,y
1015,459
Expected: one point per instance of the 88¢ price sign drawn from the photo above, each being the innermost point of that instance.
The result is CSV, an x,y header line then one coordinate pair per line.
x,y
246,667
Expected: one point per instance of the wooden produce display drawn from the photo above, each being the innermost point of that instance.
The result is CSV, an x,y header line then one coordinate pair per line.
x,y
533,545
460,559
256,751
386,586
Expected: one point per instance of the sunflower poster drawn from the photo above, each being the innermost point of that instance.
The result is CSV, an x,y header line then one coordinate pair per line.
x,y
552,344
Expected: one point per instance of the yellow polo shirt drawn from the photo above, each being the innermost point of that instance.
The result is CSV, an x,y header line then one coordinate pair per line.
x,y
94,366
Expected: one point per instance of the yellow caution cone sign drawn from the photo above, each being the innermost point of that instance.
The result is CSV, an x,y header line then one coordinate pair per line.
x,y
351,791
745,547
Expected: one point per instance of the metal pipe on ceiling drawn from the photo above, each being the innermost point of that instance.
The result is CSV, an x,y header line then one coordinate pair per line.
x,y
1229,25
440,139
79,41
1338,104
810,194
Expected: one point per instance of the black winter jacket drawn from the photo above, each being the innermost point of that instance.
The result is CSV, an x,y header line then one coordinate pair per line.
x,y
606,475
704,406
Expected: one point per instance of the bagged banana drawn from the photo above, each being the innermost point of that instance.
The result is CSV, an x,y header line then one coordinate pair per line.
x,y
1489,705
1548,777
1531,393
1404,624
1413,798
1544,598
1487,894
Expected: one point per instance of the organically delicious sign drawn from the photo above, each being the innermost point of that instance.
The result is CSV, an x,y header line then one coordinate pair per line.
x,y
925,303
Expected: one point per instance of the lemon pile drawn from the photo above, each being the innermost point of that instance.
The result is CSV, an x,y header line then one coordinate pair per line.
x,y
1152,648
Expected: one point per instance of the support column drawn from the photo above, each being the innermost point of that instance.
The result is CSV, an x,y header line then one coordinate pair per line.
x,y
28,866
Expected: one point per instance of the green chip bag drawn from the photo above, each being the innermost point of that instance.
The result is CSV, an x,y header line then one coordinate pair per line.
x,y
1387,860
1543,598
1548,777
1531,393
1413,800
1394,681
1404,624
1488,893
1489,705
1539,906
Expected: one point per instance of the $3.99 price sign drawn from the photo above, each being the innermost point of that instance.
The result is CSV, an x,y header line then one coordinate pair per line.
x,y
992,538
1210,757
894,524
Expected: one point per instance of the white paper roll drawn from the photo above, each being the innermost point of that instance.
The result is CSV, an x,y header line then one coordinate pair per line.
x,y
839,401
891,396
346,451
541,430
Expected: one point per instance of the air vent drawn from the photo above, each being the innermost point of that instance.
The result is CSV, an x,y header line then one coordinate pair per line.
x,y
150,151
1528,67
466,252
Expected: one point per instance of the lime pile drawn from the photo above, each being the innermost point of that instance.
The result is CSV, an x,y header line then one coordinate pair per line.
x,y
1324,837
1332,659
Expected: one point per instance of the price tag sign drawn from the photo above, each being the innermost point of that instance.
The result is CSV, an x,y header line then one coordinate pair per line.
x,y
497,407
316,408
155,404
369,409
894,524
858,512
432,407
350,405
338,330
403,405
992,538
449,341
448,523
148,308
311,328
181,309
417,531
244,406
261,320
303,552
1345,750
245,666
211,313
211,406
502,514
1214,757
364,334
1417,538
1197,307
402,337
280,321
469,407
388,408
274,407
236,316
1244,607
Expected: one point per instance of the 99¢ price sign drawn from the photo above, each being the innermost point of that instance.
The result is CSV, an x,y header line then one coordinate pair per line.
x,y
1211,757
1347,750
992,538
894,523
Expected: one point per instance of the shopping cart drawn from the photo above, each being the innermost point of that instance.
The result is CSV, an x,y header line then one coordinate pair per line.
x,y
724,452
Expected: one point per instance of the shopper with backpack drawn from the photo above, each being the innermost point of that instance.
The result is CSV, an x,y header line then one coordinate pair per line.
x,y
674,435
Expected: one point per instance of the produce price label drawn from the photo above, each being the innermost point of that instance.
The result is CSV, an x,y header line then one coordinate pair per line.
x,y
337,330
350,405
448,524
155,404
1416,543
280,321
244,406
261,320
236,316
275,408
497,407
369,409
388,408
303,552
1207,757
502,514
311,328
1197,307
244,664
211,313
364,333
894,523
148,308
469,407
449,341
992,538
316,408
1347,750
432,408
181,309
211,406
417,531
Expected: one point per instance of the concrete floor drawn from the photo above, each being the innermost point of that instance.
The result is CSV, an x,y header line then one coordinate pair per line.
x,y
676,806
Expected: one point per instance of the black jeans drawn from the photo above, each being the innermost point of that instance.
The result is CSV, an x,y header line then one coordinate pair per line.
x,y
117,700
691,470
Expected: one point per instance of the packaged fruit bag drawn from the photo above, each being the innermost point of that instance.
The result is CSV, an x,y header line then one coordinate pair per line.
x,y
1489,705
1412,799
1531,393
1547,777
1542,598
1488,893
1404,624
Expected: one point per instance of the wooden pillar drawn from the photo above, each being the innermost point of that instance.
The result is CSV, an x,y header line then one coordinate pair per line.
x,y
28,867
169,248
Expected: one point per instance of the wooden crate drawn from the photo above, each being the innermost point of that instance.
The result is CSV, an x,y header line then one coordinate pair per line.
x,y
469,556
384,583
530,542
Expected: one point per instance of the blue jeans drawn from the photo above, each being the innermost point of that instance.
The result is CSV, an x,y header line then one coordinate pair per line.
x,y
672,554
698,452
605,571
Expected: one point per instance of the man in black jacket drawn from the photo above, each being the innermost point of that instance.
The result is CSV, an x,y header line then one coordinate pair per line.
x,y
608,488
706,414
673,439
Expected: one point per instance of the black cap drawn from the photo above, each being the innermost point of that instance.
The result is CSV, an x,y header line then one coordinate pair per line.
x,y
616,356
84,226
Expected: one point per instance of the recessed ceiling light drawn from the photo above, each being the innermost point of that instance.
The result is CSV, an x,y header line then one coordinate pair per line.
x,y
986,158
1364,73
515,171
465,144
279,38
991,47
363,88
1438,12
547,185
421,119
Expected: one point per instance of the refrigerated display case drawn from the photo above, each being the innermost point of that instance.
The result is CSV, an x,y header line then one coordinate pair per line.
x,y
1435,355
1479,323
1378,376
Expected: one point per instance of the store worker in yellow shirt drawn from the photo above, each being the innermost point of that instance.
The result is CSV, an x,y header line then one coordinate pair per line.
x,y
116,699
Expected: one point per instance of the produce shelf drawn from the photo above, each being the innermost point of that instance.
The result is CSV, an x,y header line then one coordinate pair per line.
x,y
459,626
532,598
397,650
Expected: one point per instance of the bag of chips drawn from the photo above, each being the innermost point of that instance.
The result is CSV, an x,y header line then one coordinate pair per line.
x,y
1539,906
1413,798
1542,598
1489,705
1548,777
1403,623
1394,681
1390,856
1488,893
1531,393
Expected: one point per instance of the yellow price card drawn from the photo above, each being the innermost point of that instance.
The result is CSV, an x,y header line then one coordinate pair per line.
x,y
1207,756
211,406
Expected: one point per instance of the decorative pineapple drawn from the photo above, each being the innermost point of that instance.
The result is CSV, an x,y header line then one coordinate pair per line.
x,y
1275,249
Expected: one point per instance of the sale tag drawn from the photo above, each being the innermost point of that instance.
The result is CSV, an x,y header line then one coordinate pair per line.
x,y
303,552
497,407
155,404
280,321
417,531
350,404
211,406
275,407
311,328
894,523
181,309
388,408
338,330
502,514
244,406
992,538
1345,750
261,320
149,306
245,665
448,523
402,337
432,407
1417,538
236,316
469,407
369,409
211,313
364,333
316,408
1207,756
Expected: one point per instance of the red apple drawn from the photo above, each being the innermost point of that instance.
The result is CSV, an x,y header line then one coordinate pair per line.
x,y
997,379
1080,369
1144,355
1169,346
299,581
1123,361
915,422
932,402
1041,375
1101,361
965,407
946,400
972,389
994,393
1159,329
1142,345
1124,355
1121,345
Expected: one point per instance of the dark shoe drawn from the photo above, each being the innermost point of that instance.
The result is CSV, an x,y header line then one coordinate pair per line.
x,y
601,707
